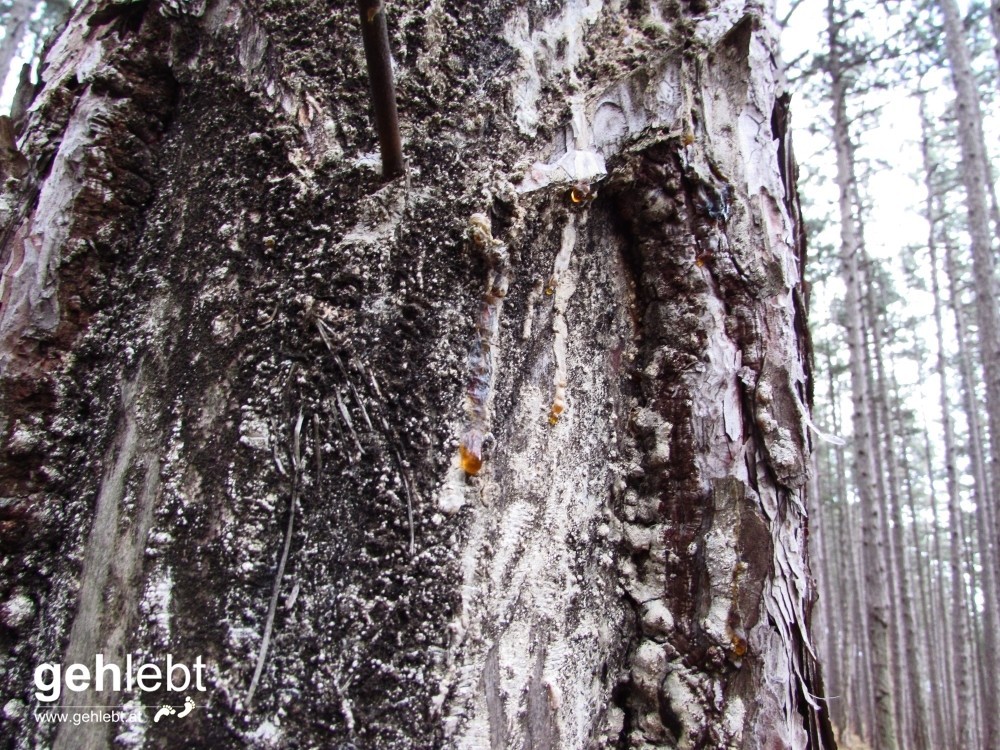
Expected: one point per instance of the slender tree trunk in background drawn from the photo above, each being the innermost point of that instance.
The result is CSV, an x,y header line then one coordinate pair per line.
x,y
943,622
887,486
952,652
926,652
960,634
832,568
975,175
983,495
856,655
995,24
15,28
230,349
916,725
878,615
820,558
974,623
864,673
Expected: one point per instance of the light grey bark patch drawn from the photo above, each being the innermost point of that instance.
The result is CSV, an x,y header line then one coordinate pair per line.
x,y
538,591
494,699
541,729
111,581
650,97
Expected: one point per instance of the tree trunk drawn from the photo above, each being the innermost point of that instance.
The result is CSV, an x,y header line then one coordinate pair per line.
x,y
829,563
926,651
960,636
878,617
914,724
886,482
15,28
995,24
943,625
988,614
235,364
975,175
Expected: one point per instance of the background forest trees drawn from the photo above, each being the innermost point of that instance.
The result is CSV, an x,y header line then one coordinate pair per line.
x,y
27,24
898,143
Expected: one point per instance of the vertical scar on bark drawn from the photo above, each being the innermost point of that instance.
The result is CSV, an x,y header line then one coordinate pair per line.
x,y
475,441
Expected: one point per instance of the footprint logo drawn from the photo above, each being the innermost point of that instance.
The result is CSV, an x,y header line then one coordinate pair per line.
x,y
188,707
164,711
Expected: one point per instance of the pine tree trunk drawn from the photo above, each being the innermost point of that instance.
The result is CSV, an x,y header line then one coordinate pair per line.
x,y
995,24
237,371
944,625
914,724
876,602
884,473
927,654
975,176
15,28
833,619
982,495
960,637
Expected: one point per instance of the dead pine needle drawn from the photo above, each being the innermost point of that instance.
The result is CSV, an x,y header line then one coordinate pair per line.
x,y
289,530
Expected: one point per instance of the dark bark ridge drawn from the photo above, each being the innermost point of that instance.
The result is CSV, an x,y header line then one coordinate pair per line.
x,y
98,186
689,252
217,291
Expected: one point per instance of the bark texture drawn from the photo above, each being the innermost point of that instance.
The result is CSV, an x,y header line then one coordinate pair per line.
x,y
237,367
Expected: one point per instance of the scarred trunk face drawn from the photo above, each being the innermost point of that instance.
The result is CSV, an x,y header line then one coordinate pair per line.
x,y
229,349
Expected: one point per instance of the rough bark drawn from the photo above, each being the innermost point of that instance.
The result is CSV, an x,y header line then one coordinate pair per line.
x,y
221,331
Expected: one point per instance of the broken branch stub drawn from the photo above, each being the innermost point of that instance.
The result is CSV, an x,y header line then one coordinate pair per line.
x,y
383,90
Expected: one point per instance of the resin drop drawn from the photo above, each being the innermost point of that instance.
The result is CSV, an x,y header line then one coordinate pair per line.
x,y
470,452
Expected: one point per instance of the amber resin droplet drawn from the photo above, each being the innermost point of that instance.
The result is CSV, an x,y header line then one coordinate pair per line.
x,y
558,401
470,452
471,463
